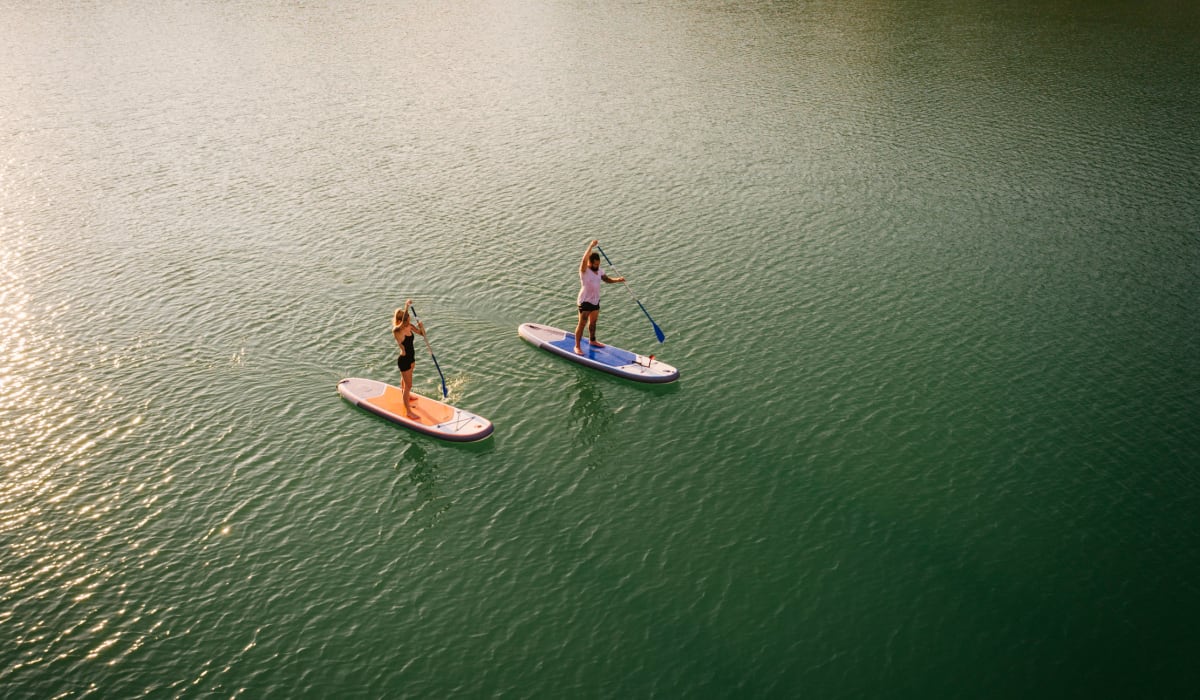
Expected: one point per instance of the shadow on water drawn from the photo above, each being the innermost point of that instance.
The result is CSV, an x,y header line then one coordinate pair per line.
x,y
420,466
424,477
590,413
593,418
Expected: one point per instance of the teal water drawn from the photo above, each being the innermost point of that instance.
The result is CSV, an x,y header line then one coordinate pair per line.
x,y
929,270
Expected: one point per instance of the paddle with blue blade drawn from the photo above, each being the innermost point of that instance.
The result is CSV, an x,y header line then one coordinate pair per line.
x,y
425,337
657,331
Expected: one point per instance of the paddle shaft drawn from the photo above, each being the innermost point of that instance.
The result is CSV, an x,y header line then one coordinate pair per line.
x,y
657,331
425,337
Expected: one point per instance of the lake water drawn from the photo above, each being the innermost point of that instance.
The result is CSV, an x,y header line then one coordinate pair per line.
x,y
930,271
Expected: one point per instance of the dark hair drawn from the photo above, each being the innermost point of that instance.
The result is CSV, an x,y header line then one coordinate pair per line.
x,y
594,257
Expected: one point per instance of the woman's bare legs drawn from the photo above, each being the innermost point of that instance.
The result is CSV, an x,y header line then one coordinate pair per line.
x,y
406,385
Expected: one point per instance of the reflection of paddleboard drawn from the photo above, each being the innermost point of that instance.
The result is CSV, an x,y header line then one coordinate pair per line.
x,y
608,358
433,417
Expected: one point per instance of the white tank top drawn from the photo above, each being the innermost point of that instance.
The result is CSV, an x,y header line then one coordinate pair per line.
x,y
589,286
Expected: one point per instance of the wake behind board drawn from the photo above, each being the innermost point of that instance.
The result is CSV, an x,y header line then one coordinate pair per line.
x,y
608,358
433,417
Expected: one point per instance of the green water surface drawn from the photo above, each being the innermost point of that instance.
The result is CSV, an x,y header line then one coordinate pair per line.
x,y
929,270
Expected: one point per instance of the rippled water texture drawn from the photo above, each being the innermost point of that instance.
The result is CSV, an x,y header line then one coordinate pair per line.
x,y
929,270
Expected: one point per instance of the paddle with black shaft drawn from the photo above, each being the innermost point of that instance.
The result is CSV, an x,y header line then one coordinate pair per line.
x,y
657,331
425,337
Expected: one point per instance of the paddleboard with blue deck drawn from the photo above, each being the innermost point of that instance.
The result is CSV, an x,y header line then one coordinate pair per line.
x,y
434,418
622,363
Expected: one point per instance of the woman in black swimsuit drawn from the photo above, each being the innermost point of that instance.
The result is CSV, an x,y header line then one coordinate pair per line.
x,y
402,331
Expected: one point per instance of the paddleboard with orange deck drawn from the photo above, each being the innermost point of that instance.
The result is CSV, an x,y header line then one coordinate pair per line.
x,y
434,418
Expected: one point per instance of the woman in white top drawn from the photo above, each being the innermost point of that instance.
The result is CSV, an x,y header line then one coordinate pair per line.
x,y
590,277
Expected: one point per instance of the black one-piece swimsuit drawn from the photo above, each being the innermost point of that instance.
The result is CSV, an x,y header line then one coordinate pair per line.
x,y
405,361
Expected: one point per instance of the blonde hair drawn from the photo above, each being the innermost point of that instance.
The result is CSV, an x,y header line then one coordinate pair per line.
x,y
400,317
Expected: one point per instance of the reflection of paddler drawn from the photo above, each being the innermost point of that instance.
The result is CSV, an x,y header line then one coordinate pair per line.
x,y
402,331
590,413
590,277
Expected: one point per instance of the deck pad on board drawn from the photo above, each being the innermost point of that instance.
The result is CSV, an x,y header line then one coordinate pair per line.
x,y
608,358
432,416
613,357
